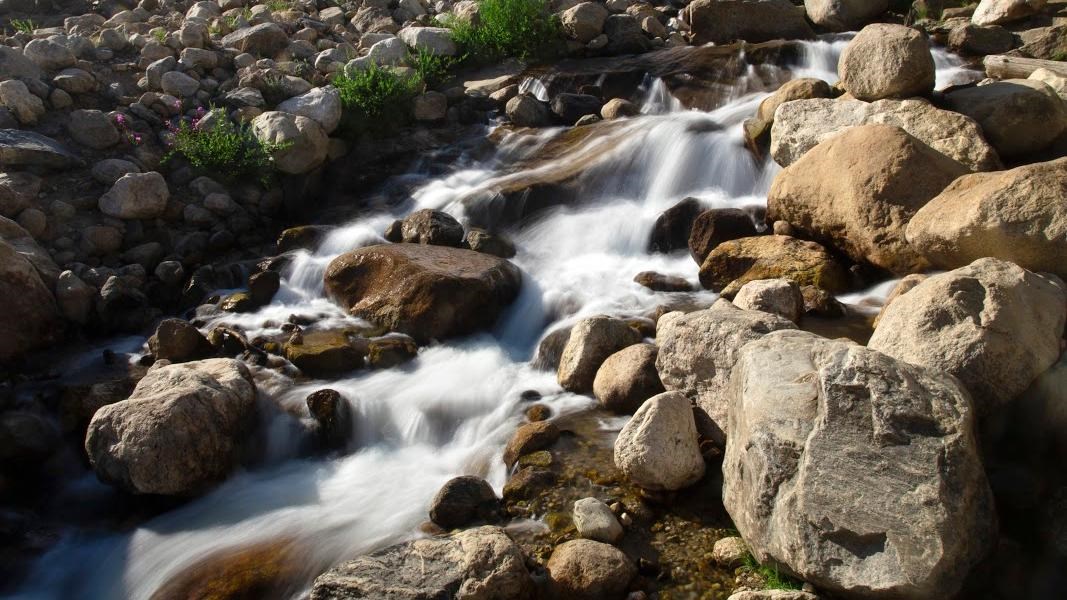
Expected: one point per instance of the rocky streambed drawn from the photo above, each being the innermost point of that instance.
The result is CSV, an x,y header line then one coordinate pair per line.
x,y
736,299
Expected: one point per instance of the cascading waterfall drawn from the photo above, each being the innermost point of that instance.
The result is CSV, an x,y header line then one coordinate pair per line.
x,y
451,410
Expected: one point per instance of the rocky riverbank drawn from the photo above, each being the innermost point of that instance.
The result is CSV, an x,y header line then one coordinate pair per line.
x,y
596,273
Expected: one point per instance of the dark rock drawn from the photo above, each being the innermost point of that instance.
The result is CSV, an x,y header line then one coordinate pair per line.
x,y
238,302
463,501
388,352
672,228
481,240
715,226
550,350
262,286
28,148
323,353
428,226
394,233
332,413
304,237
625,35
571,107
659,282
427,292
969,38
528,484
178,341
530,437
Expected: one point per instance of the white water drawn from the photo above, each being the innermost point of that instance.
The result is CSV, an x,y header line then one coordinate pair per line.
x,y
451,410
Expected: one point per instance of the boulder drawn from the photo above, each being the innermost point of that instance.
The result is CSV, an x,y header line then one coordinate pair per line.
x,y
323,353
179,432
333,415
658,282
588,570
713,227
697,351
431,106
136,196
804,88
730,552
1018,116
30,148
49,54
754,21
658,448
856,472
496,244
628,378
571,107
178,341
433,227
427,292
775,296
594,521
26,107
624,36
992,324
17,192
435,40
672,227
93,129
75,81
1018,215
179,84
22,242
74,298
800,126
584,21
844,15
15,65
591,342
264,39
1055,81
905,285
858,190
887,61
303,143
528,438
995,12
733,264
526,111
322,105
480,563
30,319
617,108
109,170
462,501
968,38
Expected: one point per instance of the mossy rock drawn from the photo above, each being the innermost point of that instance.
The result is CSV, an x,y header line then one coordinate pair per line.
x,y
238,302
324,353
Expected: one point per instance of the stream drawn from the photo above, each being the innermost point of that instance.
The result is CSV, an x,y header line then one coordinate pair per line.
x,y
451,410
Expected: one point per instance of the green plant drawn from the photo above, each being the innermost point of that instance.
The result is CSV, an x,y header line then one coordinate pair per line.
x,y
432,69
226,150
375,97
278,5
23,25
523,29
772,578
160,34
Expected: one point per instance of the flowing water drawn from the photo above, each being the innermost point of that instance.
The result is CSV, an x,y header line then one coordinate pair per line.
x,y
452,409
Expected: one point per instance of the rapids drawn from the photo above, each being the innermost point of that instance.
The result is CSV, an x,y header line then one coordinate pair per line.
x,y
451,410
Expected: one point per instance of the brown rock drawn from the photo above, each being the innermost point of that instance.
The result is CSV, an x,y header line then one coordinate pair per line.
x,y
530,437
735,263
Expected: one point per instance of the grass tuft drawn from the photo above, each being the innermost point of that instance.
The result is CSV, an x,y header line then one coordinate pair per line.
x,y
773,579
524,29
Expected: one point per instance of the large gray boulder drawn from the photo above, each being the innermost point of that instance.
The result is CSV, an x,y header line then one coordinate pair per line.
x,y
29,148
435,40
801,125
697,351
627,378
584,21
592,341
481,563
588,570
302,142
1018,215
49,54
179,432
992,324
30,319
887,61
858,190
721,21
995,12
16,97
265,39
844,15
322,105
658,448
856,472
1018,116
136,196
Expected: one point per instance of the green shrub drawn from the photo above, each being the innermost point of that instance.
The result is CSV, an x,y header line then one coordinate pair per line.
x,y
227,150
772,578
523,29
376,98
23,25
432,69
